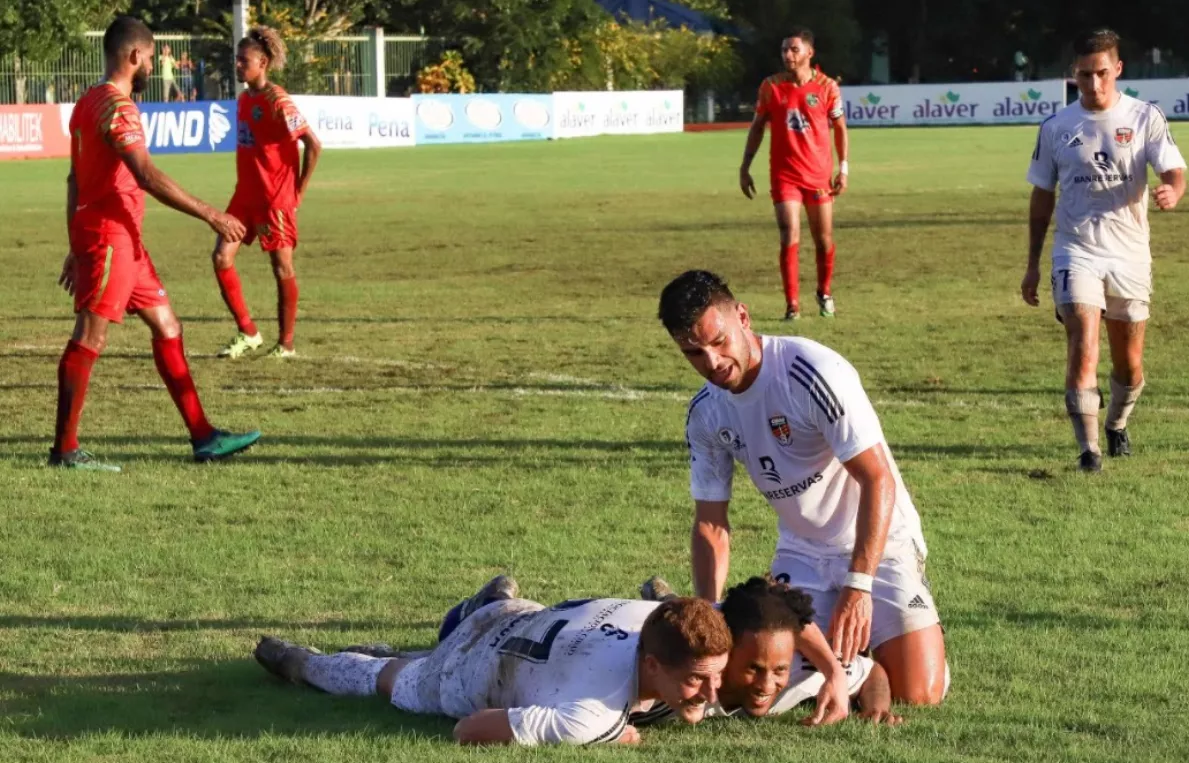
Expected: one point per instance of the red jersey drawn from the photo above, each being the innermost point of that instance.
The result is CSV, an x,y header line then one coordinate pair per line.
x,y
104,125
800,116
267,162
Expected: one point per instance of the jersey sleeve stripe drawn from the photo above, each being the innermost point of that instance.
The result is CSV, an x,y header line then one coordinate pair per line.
x,y
1039,134
613,733
658,713
705,393
809,378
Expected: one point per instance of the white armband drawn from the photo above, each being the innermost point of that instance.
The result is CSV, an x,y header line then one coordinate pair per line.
x,y
858,581
844,167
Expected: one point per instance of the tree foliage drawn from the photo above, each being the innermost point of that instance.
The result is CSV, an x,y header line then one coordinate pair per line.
x,y
38,31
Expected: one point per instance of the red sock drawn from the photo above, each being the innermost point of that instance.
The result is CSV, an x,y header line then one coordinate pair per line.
x,y
287,309
175,372
233,297
788,275
825,270
74,374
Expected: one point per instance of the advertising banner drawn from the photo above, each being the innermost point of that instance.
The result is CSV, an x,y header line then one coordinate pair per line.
x,y
483,117
1171,95
978,103
200,127
349,122
32,131
583,114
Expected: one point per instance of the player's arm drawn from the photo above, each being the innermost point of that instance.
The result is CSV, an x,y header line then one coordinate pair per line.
x,y
311,150
833,697
1170,190
587,721
66,278
1042,174
165,190
875,698
1161,151
841,139
485,727
755,138
710,548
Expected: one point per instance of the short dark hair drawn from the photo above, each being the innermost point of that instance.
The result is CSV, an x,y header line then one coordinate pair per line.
x,y
1093,41
123,33
805,33
680,631
763,604
688,296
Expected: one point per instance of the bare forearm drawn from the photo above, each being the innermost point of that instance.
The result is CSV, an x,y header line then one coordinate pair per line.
x,y
309,161
755,138
162,188
841,141
1040,214
710,552
876,693
485,727
71,201
1175,178
877,501
812,644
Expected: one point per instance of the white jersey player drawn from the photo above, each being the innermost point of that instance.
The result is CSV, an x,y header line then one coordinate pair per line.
x,y
795,415
517,672
1098,151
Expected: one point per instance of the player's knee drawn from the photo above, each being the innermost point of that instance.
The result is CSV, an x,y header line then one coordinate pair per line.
x,y
921,694
222,260
168,327
284,271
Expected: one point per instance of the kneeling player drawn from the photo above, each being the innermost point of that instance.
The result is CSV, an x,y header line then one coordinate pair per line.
x,y
515,671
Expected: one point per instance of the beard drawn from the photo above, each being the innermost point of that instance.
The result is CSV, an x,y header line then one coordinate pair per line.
x,y
140,80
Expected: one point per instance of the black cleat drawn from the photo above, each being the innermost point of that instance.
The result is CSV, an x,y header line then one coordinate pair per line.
x,y
499,588
1090,462
282,659
1117,442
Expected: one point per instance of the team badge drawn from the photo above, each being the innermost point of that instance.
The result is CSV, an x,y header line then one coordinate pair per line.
x,y
1123,136
780,429
811,99
730,439
257,113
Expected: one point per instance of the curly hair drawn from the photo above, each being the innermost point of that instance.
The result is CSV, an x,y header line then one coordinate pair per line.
x,y
762,604
268,41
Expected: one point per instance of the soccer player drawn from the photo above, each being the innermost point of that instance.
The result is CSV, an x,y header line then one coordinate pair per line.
x,y
795,414
108,270
1098,150
514,671
802,104
271,180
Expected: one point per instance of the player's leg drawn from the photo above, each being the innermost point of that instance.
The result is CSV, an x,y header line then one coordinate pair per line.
x,y
1079,292
74,377
916,666
1129,291
819,210
345,673
286,277
248,337
787,206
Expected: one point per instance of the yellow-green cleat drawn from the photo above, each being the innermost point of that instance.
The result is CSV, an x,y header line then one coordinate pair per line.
x,y
280,351
241,345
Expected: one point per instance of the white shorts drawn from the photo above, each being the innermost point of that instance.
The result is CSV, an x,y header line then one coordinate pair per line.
x,y
1119,288
456,678
900,596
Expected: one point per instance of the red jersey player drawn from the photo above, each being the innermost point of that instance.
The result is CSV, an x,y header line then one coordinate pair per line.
x,y
802,104
270,182
108,270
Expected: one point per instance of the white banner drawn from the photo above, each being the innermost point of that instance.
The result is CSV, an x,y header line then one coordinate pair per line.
x,y
1171,95
636,112
980,103
349,122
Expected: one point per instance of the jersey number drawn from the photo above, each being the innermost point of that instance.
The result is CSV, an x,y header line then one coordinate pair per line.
x,y
533,651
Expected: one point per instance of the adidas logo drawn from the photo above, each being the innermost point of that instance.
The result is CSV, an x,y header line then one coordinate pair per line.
x,y
1075,143
917,603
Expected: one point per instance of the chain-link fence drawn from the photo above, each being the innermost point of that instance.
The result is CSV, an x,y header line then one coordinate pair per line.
x,y
403,58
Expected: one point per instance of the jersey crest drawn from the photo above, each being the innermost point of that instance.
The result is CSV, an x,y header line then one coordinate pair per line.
x,y
1123,136
780,429
812,99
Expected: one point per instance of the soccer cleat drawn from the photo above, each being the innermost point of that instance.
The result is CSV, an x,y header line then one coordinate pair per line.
x,y
222,445
81,460
792,314
825,305
1117,442
282,659
241,345
280,351
656,589
1090,462
497,589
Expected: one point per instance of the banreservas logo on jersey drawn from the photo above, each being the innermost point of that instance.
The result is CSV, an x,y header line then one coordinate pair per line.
x,y
180,128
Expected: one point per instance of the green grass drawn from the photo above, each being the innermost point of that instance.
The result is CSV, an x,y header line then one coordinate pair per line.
x,y
483,387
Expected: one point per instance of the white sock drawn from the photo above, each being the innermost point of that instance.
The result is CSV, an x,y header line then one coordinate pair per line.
x,y
1123,399
344,673
1082,406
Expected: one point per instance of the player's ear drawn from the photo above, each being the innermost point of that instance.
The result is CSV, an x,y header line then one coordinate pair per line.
x,y
744,315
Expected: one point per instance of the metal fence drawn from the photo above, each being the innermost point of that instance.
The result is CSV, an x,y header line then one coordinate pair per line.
x,y
202,68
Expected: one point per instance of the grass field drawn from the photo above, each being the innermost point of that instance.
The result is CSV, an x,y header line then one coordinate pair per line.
x,y
483,387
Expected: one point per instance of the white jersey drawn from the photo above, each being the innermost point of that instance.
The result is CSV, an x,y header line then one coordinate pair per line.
x,y
792,429
566,674
1100,159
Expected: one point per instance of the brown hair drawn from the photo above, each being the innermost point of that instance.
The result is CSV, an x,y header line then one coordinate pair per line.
x,y
269,42
680,631
1096,41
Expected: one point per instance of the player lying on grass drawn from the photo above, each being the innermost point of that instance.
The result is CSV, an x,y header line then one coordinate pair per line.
x,y
775,643
514,671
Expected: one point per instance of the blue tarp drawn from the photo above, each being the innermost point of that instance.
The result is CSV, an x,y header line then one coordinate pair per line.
x,y
651,10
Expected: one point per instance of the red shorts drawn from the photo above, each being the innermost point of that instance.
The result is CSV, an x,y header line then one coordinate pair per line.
x,y
113,275
810,197
276,226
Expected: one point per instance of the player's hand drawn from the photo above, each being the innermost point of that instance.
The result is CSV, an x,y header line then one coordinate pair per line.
x,y
1029,285
1165,196
231,229
838,187
833,702
883,717
746,184
630,735
850,625
66,279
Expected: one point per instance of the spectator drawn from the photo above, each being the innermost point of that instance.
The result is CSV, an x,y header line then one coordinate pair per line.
x,y
186,78
168,83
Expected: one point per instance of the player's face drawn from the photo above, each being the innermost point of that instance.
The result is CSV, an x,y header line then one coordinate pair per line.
x,y
796,53
717,345
250,63
687,689
758,671
140,78
1096,75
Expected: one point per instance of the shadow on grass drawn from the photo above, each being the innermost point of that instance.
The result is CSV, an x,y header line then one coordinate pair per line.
x,y
209,700
842,222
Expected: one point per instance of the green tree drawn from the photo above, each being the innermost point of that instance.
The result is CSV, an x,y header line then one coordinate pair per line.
x,y
763,25
37,31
